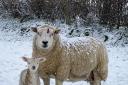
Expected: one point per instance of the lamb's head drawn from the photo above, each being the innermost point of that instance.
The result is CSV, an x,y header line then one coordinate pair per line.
x,y
46,36
33,63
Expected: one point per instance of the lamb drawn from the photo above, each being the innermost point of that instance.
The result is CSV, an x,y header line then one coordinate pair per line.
x,y
30,76
72,59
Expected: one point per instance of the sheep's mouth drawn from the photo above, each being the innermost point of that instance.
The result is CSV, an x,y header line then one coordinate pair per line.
x,y
44,46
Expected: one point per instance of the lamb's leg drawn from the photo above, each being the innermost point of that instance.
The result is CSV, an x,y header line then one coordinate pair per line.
x,y
46,81
20,81
59,82
22,77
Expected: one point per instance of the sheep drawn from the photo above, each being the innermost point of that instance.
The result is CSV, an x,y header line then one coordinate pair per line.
x,y
72,59
30,76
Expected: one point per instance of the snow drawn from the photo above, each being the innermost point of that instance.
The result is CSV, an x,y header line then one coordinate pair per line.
x,y
13,46
11,63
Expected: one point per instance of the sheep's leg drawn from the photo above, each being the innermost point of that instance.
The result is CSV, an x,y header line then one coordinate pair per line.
x,y
94,79
46,81
95,82
63,72
59,82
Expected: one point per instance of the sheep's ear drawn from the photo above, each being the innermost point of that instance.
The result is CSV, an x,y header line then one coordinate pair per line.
x,y
42,59
56,31
25,59
34,29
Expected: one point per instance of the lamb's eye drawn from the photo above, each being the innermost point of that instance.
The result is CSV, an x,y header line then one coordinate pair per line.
x,y
33,67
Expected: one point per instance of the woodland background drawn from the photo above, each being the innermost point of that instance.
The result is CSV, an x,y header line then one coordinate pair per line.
x,y
104,12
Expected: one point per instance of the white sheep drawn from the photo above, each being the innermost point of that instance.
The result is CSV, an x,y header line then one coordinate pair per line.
x,y
73,59
30,76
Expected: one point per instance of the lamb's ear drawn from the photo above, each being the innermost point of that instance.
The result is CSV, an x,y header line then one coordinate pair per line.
x,y
25,59
56,31
42,59
34,29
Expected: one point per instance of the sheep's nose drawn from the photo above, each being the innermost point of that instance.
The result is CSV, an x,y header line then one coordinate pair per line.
x,y
45,42
33,67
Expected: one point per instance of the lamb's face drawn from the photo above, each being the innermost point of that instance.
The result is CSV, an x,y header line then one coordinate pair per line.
x,y
33,63
45,37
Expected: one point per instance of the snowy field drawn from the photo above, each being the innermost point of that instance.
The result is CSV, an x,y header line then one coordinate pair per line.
x,y
13,46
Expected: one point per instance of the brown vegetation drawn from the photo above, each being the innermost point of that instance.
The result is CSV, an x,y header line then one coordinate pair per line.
x,y
111,12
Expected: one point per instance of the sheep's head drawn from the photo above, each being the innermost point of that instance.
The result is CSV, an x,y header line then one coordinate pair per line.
x,y
46,36
33,63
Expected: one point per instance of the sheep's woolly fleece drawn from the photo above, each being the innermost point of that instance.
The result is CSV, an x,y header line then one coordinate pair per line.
x,y
73,58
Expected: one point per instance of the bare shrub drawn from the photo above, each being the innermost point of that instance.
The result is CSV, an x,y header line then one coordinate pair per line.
x,y
109,12
47,9
17,8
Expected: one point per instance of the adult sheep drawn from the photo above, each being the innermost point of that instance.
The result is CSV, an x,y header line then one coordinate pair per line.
x,y
73,59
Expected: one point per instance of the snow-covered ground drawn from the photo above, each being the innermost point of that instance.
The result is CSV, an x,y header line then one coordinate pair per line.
x,y
13,46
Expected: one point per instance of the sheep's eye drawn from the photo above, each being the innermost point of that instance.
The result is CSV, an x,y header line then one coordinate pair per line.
x,y
38,33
